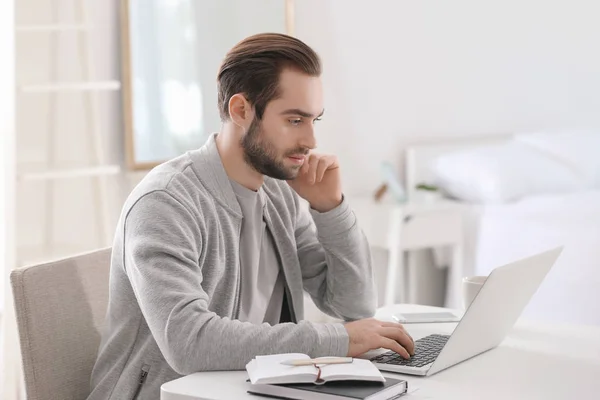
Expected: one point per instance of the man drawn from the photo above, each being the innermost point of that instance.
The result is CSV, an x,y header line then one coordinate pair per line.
x,y
214,249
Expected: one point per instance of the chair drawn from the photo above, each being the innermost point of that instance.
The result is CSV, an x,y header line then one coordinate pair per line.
x,y
60,307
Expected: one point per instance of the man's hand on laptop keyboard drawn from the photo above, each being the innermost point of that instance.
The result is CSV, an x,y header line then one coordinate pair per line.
x,y
371,334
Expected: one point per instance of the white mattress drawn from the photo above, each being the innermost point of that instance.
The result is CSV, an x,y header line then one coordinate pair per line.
x,y
571,291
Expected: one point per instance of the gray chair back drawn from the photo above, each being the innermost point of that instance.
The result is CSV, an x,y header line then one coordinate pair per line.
x,y
60,308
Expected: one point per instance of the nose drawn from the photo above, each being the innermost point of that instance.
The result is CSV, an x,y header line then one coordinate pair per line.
x,y
308,139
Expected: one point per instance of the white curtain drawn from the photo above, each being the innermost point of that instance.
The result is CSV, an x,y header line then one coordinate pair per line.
x,y
11,379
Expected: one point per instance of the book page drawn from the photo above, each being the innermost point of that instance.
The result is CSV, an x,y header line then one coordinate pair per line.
x,y
268,369
358,369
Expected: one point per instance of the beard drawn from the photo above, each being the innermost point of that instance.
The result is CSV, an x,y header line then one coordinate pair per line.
x,y
262,156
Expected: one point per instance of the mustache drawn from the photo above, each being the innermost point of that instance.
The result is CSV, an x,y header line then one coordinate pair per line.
x,y
299,150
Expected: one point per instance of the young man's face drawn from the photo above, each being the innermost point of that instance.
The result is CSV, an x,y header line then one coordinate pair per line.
x,y
277,145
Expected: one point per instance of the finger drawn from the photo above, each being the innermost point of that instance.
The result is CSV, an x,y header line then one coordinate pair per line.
x,y
312,169
395,325
304,168
391,324
324,164
391,344
400,336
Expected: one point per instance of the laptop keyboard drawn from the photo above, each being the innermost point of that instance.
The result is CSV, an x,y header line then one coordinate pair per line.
x,y
426,351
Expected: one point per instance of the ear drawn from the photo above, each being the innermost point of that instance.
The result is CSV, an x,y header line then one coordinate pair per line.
x,y
241,111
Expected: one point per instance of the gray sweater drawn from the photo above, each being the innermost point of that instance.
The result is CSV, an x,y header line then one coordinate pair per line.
x,y
174,279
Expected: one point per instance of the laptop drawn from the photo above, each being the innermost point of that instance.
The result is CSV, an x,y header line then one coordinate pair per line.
x,y
486,322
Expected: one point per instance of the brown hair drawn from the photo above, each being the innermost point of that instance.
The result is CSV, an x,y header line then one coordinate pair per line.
x,y
253,66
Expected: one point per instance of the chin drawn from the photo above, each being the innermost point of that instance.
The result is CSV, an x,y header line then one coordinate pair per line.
x,y
287,174
293,172
292,175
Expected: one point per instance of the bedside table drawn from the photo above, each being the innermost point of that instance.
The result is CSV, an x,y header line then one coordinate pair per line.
x,y
401,227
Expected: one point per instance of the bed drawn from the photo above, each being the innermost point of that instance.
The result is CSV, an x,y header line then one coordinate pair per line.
x,y
524,212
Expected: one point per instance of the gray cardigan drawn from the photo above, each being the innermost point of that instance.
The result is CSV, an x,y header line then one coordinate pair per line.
x,y
174,279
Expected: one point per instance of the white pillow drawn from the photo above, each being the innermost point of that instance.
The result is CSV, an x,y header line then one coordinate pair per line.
x,y
579,150
502,172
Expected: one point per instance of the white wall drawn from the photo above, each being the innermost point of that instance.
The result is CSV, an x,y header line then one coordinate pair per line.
x,y
399,71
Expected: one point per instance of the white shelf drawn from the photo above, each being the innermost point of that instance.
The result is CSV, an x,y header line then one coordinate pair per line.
x,y
68,173
70,87
51,28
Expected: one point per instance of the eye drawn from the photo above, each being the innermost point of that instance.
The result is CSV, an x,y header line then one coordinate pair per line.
x,y
316,119
295,121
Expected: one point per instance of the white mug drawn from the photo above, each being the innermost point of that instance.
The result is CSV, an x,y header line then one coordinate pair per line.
x,y
470,287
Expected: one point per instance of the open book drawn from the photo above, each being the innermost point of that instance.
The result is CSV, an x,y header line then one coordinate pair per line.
x,y
270,370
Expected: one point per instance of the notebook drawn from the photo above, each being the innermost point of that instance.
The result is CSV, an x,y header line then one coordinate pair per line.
x,y
339,390
269,370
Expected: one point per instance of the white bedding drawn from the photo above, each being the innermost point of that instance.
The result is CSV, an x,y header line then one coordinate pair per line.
x,y
505,232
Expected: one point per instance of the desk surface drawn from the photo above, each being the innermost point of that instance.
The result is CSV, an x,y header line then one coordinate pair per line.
x,y
534,362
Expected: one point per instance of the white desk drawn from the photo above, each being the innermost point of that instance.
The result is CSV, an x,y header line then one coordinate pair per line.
x,y
412,226
534,362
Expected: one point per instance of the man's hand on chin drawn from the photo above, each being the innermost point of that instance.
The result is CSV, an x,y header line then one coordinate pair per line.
x,y
319,182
